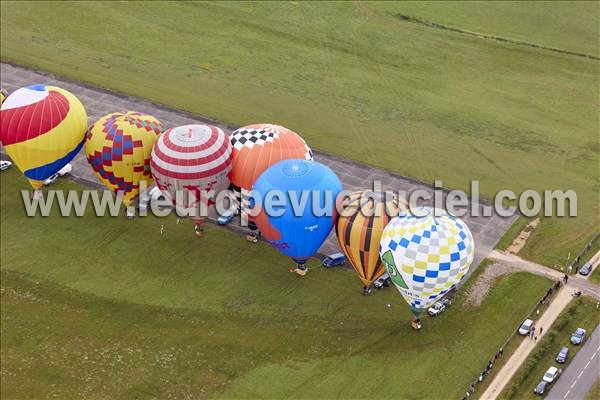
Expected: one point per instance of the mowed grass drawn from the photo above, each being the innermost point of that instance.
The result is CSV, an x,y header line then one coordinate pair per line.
x,y
567,25
108,308
581,313
357,81
512,233
594,392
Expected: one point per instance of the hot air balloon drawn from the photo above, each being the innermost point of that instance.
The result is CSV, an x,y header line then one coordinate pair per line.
x,y
42,128
365,215
426,256
3,95
299,231
255,149
191,159
118,148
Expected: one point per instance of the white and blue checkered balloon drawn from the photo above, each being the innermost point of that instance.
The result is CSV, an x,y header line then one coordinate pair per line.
x,y
426,255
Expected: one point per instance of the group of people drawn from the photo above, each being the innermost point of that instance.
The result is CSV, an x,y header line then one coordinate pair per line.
x,y
532,332
483,373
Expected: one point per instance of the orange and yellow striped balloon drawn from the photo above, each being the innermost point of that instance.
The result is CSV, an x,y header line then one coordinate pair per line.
x,y
359,229
42,129
118,148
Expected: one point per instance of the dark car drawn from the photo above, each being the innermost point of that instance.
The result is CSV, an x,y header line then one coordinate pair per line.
x,y
334,260
562,356
586,269
540,388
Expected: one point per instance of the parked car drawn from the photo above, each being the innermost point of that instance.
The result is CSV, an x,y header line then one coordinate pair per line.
x,y
525,327
578,336
153,194
334,260
540,389
552,374
5,164
226,217
62,172
383,281
586,269
562,355
439,307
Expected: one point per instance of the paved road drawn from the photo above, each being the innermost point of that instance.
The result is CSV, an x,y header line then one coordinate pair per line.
x,y
503,377
486,230
546,320
583,371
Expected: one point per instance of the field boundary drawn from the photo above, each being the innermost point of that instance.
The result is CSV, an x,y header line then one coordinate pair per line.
x,y
437,25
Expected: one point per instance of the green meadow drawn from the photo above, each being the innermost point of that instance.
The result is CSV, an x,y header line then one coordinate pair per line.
x,y
109,308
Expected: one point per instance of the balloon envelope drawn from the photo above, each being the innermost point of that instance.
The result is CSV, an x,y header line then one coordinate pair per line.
x,y
190,159
118,148
426,256
42,128
257,147
297,233
360,226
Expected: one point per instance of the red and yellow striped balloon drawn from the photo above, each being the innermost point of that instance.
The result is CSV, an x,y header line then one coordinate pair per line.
x,y
359,229
42,129
118,148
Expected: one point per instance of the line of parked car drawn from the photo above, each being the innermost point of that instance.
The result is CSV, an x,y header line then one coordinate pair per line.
x,y
553,373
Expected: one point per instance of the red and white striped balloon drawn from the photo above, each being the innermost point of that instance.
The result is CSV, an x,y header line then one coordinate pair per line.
x,y
191,158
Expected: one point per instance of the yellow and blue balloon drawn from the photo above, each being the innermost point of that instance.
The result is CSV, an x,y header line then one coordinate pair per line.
x,y
42,128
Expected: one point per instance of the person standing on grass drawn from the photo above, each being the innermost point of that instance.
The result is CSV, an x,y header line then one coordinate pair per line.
x,y
501,351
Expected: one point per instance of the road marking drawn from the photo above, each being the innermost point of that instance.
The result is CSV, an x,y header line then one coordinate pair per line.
x,y
594,355
566,394
586,365
573,384
579,376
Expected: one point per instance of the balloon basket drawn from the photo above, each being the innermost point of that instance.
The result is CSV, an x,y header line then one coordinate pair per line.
x,y
300,270
416,324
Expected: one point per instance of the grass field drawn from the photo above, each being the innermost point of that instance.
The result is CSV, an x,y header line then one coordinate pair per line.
x,y
595,392
595,276
510,235
358,81
107,308
581,313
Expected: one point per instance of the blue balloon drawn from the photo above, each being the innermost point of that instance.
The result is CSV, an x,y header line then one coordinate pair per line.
x,y
296,202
